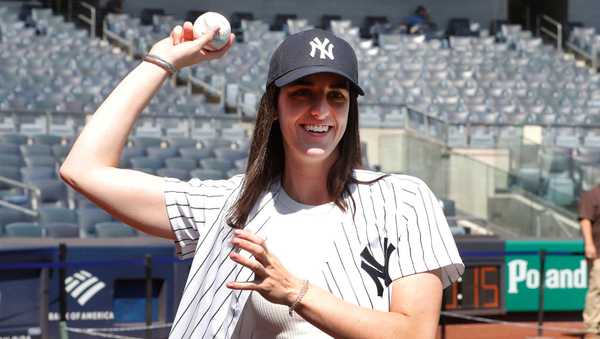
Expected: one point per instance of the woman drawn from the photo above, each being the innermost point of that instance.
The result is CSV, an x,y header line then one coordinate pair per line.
x,y
304,245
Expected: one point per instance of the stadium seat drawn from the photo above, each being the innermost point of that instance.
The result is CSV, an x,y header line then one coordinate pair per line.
x,y
24,230
207,174
8,216
38,149
11,160
131,152
146,142
57,214
60,151
216,164
560,190
114,230
61,230
10,149
52,191
147,15
46,139
39,160
178,173
196,153
180,143
88,217
147,164
229,154
30,174
9,172
181,163
162,153
17,139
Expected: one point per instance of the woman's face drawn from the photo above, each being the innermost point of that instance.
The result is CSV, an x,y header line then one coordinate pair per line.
x,y
312,113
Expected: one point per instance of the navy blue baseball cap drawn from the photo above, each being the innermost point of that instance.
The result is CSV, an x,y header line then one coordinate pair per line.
x,y
313,51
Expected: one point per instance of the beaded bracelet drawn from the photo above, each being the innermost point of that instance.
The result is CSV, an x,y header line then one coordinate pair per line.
x,y
303,291
158,61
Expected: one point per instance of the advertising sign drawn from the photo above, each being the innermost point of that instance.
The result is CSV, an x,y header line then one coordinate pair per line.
x,y
565,276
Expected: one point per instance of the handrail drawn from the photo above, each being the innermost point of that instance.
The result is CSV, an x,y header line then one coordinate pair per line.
x,y
21,209
91,20
35,197
558,36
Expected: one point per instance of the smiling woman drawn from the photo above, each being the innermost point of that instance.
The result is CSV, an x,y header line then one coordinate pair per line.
x,y
305,244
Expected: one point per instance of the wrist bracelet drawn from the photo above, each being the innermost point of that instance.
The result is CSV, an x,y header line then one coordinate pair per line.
x,y
160,62
298,298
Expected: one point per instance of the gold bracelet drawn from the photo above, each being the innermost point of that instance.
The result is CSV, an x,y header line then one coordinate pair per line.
x,y
303,291
160,62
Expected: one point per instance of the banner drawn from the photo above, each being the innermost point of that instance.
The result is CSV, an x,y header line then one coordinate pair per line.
x,y
565,278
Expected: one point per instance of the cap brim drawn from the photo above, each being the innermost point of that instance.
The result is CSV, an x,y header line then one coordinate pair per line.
x,y
296,74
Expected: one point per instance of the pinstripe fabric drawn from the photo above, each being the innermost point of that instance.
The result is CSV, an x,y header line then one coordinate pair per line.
x,y
397,229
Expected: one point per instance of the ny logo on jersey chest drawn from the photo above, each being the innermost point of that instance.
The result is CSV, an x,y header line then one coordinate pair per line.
x,y
376,270
325,48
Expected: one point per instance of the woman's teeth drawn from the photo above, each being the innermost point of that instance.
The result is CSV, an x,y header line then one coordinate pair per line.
x,y
317,128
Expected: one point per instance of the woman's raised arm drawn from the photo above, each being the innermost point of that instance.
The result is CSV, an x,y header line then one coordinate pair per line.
x,y
90,168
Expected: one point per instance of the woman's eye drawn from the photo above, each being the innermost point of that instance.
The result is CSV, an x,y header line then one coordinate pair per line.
x,y
338,96
301,93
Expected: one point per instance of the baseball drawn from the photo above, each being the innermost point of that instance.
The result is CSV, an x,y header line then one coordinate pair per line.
x,y
212,19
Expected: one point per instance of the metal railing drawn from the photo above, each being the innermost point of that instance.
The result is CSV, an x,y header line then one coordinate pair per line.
x,y
34,196
91,20
544,19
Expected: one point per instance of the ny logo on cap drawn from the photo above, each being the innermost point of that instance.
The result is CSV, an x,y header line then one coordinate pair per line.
x,y
325,47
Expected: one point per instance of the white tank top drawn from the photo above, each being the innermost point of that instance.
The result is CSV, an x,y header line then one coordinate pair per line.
x,y
298,241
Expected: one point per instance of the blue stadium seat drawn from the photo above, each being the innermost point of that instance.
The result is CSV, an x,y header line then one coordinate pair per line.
x,y
88,217
30,150
24,230
10,149
52,191
61,230
11,160
162,153
57,214
181,163
129,153
38,173
39,160
46,139
18,139
178,173
146,164
207,174
196,153
146,142
8,216
216,164
114,230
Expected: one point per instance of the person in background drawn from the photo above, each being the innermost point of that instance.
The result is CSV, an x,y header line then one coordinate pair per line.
x,y
419,22
589,219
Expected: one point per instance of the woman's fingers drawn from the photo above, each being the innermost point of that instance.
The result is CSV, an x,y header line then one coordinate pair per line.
x,y
188,31
205,38
244,286
252,264
243,234
257,251
177,35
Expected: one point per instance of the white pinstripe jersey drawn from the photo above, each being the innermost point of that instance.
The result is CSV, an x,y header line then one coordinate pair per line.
x,y
397,229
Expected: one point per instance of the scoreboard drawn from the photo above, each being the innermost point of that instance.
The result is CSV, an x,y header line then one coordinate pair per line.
x,y
480,290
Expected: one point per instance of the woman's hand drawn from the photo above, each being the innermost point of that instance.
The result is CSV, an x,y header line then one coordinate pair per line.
x,y
272,280
184,48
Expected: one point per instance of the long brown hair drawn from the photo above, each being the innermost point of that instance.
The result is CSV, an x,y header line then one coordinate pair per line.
x,y
266,158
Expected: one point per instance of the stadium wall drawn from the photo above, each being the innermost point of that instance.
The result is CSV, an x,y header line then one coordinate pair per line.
x,y
440,10
585,11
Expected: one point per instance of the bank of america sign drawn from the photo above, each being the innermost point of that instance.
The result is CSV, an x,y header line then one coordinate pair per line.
x,y
83,286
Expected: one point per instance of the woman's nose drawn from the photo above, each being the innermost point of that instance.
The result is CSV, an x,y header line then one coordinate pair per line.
x,y
321,109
